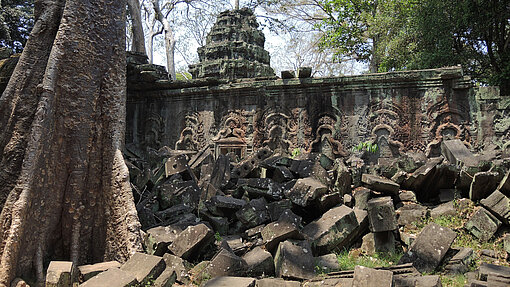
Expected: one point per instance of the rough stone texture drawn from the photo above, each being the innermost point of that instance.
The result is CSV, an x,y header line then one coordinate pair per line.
x,y
407,195
380,184
306,190
483,184
89,271
294,260
429,247
254,213
277,282
378,242
483,224
410,213
332,230
361,197
176,264
445,209
112,278
457,153
226,263
498,204
327,263
144,267
158,238
191,241
61,274
229,281
259,262
504,185
234,49
367,277
460,262
381,214
276,232
343,179
506,243
486,270
418,281
166,278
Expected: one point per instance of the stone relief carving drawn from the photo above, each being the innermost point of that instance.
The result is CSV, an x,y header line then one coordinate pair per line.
x,y
389,126
154,130
196,132
325,141
299,129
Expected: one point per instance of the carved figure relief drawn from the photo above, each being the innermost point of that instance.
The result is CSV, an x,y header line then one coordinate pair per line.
x,y
276,128
196,131
386,120
325,141
154,130
232,136
299,129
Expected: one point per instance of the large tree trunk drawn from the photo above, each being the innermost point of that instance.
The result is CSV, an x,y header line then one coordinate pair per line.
x,y
69,195
169,39
138,43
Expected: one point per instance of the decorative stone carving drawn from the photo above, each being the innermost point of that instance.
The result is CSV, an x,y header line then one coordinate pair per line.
x,y
300,131
154,130
197,130
325,141
232,135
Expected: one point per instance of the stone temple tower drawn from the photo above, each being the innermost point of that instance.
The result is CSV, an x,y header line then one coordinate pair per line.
x,y
234,49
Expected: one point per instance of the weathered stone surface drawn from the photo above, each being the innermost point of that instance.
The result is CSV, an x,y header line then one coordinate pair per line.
x,y
483,224
331,230
343,179
227,202
367,277
487,270
499,205
276,232
112,278
176,264
410,213
256,187
306,190
361,197
290,217
230,281
483,184
158,238
330,200
144,267
381,214
429,248
278,207
446,195
445,209
277,282
254,213
460,262
418,281
89,271
221,172
327,263
166,278
407,195
380,184
61,274
504,185
304,72
294,260
378,242
423,175
259,262
506,243
457,153
288,74
226,263
177,192
190,242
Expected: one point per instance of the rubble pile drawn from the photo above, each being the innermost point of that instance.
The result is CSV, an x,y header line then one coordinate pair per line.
x,y
276,220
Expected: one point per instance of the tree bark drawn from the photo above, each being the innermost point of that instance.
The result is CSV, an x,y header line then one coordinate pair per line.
x,y
169,39
69,194
138,43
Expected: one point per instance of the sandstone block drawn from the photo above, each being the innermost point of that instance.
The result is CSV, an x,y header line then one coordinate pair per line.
x,y
294,260
483,224
367,277
381,214
498,204
259,262
276,232
380,184
226,263
112,278
229,281
254,213
61,274
191,241
306,190
144,267
89,271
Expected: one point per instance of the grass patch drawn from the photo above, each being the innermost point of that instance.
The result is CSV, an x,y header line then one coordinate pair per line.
x,y
453,281
348,260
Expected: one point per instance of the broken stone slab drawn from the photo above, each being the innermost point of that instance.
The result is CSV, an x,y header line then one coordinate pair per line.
x,y
276,232
226,263
277,282
445,209
429,247
144,266
290,217
407,196
327,263
219,224
420,281
247,165
282,174
174,213
158,238
410,213
331,231
89,271
178,192
381,214
483,184
330,200
220,176
61,274
230,281
378,242
255,231
361,197
288,74
254,213
259,262
460,262
112,278
504,185
380,184
257,187
276,208
176,264
367,277
227,202
423,175
166,279
456,152
176,164
506,243
362,228
487,270
311,167
483,225
499,205
191,241
294,260
306,190
304,72
343,179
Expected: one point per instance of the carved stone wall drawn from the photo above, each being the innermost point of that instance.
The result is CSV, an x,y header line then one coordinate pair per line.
x,y
401,111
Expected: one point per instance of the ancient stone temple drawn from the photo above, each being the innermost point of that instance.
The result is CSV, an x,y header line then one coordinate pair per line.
x,y
233,104
235,49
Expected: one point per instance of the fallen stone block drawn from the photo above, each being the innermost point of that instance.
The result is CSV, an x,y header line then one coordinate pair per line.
x,y
176,264
61,274
483,224
294,260
158,238
226,263
112,278
361,197
407,195
276,208
144,267
166,279
343,178
506,243
460,262
419,281
483,184
191,241
227,202
257,187
486,270
254,213
380,184
229,281
178,192
306,190
259,262
329,282
423,176
251,162
277,282
220,176
276,232
331,231
89,271
330,200
381,214
327,263
499,205
457,153
445,209
429,247
378,242
367,277
410,213
504,185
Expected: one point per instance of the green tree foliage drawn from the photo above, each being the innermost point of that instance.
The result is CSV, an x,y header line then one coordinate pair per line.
x,y
16,22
